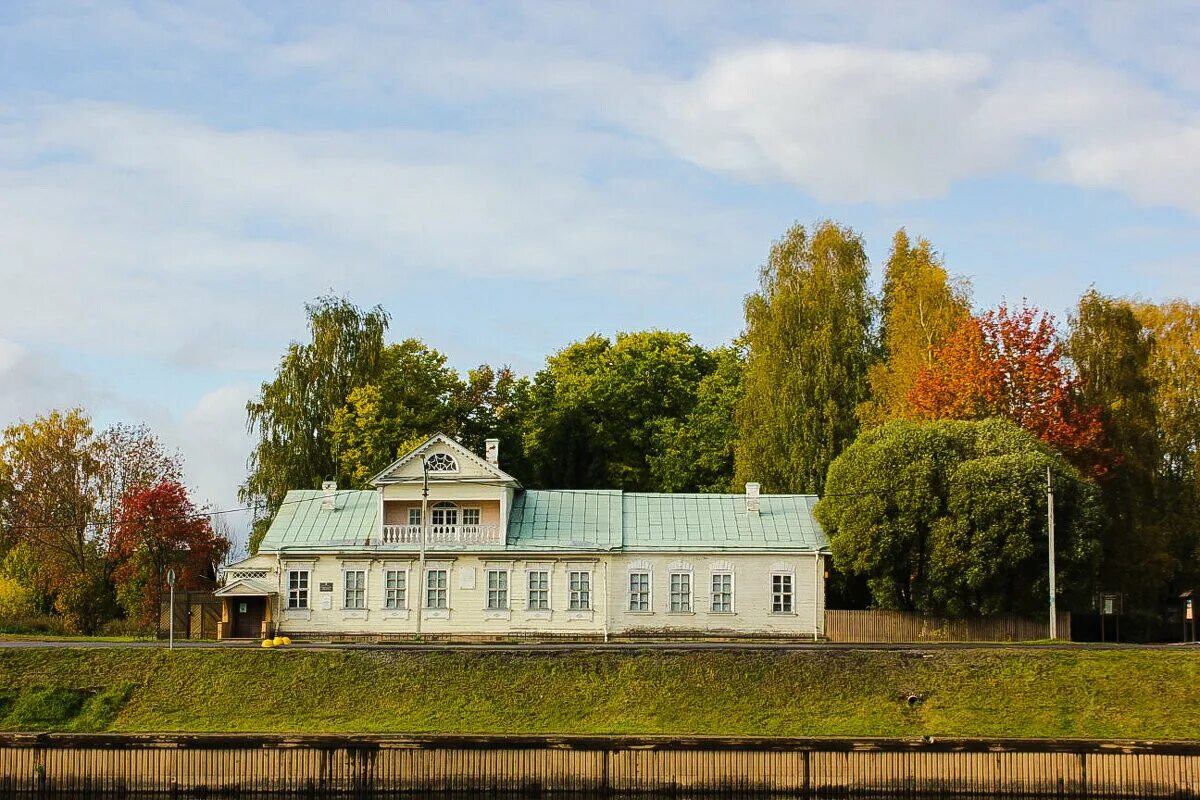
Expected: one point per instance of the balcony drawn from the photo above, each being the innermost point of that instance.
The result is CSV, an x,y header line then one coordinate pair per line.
x,y
442,534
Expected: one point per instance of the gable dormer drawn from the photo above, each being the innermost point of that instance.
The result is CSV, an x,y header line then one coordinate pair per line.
x,y
469,497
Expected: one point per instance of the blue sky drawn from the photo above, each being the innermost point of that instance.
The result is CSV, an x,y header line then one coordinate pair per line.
x,y
177,180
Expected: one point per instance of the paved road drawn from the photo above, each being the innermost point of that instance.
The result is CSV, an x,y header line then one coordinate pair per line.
x,y
563,647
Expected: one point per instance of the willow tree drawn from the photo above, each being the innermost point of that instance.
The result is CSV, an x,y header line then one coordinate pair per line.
x,y
809,340
921,306
293,412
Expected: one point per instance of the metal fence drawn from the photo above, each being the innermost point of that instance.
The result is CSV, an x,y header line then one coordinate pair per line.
x,y
903,626
246,765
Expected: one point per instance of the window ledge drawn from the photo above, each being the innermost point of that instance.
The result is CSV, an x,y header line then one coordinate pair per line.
x,y
723,613
640,613
784,614
497,613
681,613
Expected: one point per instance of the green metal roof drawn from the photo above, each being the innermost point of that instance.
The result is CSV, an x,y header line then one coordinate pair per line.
x,y
302,522
575,521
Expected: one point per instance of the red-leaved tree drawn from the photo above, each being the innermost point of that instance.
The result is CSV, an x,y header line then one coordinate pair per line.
x,y
1009,363
159,529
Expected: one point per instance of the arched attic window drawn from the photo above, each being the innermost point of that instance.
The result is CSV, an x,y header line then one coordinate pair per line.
x,y
441,462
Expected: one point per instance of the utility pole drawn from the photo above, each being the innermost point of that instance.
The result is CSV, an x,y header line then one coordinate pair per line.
x,y
421,562
1050,529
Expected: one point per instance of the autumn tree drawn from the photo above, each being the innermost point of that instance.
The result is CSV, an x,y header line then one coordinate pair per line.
x,y
1011,364
809,340
949,517
294,411
1174,371
159,529
593,412
920,308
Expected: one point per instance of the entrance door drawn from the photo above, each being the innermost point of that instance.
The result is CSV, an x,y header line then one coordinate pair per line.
x,y
247,615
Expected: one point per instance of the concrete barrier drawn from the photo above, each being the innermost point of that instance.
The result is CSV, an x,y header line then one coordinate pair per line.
x,y
250,764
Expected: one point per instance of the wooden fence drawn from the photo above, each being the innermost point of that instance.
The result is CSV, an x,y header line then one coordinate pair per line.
x,y
196,616
243,765
903,626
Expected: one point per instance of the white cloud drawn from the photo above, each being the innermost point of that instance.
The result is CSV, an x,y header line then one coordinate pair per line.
x,y
852,123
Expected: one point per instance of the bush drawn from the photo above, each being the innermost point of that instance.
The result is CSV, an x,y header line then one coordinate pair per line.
x,y
33,623
15,600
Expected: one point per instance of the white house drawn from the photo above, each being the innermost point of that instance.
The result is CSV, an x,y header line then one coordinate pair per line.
x,y
448,545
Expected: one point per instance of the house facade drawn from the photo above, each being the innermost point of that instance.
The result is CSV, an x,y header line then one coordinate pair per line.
x,y
447,545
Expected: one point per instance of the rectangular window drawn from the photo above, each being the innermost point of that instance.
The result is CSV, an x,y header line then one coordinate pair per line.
x,y
355,581
497,589
781,594
639,591
298,588
722,593
395,589
681,591
539,590
436,581
579,585
470,516
414,516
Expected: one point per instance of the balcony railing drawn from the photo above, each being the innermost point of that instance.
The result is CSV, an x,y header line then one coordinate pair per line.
x,y
443,534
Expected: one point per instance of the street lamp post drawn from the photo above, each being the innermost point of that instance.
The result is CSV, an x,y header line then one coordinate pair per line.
x,y
171,583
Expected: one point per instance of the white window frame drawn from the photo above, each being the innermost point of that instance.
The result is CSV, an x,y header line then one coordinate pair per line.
x,y
712,591
445,589
778,595
690,594
414,515
503,593
294,594
445,507
462,516
579,599
453,462
399,600
360,591
645,597
529,590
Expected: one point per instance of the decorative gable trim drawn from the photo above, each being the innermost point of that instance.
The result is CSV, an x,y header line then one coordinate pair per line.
x,y
384,477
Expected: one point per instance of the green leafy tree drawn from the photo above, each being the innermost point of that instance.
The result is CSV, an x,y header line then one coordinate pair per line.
x,y
412,397
493,403
921,306
595,409
695,453
950,517
809,337
1112,353
1175,373
293,413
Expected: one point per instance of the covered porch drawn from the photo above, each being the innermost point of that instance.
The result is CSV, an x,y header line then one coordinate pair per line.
x,y
245,609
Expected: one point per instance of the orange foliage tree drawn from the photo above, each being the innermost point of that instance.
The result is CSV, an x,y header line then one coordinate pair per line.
x,y
1009,363
159,529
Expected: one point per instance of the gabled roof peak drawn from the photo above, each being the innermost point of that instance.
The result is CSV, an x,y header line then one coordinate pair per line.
x,y
388,475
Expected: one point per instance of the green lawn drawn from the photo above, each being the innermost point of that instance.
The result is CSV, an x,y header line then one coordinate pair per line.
x,y
986,692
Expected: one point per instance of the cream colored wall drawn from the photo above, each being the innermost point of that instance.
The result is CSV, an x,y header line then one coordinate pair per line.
x,y
395,512
610,574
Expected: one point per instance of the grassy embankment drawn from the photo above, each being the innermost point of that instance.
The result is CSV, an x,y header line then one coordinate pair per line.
x,y
1051,693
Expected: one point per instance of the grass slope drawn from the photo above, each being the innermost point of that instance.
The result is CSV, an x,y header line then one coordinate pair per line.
x,y
1051,693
